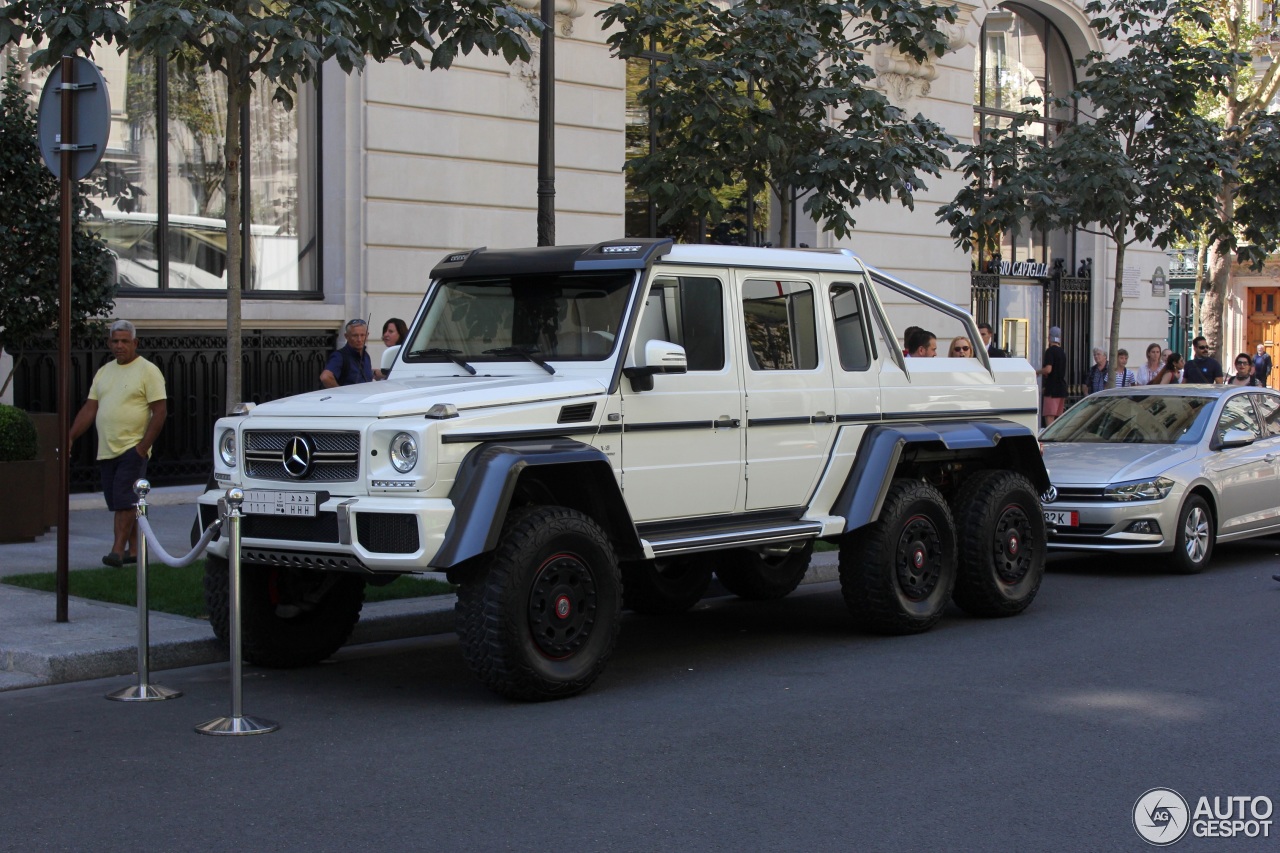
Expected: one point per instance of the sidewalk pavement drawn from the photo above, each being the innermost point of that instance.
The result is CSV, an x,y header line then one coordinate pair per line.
x,y
101,640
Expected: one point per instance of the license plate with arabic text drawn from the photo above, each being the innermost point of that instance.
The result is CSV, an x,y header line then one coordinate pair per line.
x,y
269,502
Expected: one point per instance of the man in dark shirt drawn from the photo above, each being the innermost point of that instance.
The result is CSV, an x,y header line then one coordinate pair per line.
x,y
349,365
989,339
1204,368
1054,372
1262,365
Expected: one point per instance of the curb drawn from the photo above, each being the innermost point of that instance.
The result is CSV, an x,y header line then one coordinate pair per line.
x,y
98,645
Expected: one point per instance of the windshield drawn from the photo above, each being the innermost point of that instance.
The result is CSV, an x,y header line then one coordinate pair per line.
x,y
1133,418
553,317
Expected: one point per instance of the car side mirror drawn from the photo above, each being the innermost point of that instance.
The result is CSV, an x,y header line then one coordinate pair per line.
x,y
659,357
389,358
1236,438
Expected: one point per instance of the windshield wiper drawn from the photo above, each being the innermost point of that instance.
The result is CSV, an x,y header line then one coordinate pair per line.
x,y
530,353
450,354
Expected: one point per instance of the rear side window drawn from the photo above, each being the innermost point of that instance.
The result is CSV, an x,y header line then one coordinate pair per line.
x,y
1269,405
689,311
851,332
780,325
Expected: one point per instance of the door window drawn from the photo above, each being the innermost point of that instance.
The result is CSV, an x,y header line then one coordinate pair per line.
x,y
780,324
851,333
1238,414
1269,406
689,311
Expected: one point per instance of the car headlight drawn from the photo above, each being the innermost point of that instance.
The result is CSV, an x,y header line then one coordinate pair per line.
x,y
1139,490
404,452
227,447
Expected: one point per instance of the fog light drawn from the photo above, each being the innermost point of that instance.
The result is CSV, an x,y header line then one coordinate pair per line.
x,y
1144,525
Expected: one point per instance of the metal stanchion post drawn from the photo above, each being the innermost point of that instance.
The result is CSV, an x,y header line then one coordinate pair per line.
x,y
237,723
143,691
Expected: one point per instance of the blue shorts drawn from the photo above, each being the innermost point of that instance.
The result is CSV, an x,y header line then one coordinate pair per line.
x,y
118,477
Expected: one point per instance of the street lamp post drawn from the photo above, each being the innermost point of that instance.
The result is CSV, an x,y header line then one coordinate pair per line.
x,y
547,127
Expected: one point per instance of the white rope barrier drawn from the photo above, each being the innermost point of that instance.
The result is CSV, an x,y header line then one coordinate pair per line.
x,y
177,562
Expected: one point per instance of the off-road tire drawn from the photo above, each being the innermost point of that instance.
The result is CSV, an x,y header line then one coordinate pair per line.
x,y
1002,544
271,639
749,574
897,573
667,586
1194,537
541,620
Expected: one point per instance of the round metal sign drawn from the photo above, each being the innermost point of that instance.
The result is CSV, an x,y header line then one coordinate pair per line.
x,y
91,119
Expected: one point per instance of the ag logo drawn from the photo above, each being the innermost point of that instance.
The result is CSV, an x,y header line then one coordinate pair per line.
x,y
1161,817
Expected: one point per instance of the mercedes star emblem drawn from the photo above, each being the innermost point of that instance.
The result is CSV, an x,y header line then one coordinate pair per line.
x,y
297,457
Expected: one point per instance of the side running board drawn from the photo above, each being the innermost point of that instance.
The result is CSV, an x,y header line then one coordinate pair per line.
x,y
692,543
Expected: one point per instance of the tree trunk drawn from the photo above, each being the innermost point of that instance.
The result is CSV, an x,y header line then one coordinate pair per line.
x,y
786,197
1213,312
1202,260
237,89
1117,300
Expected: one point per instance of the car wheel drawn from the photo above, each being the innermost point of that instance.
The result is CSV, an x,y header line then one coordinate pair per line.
x,y
897,573
668,586
288,617
541,620
1194,538
763,576
1001,532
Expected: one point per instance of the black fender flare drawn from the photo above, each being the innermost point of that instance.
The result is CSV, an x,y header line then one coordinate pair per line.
x,y
487,481
862,495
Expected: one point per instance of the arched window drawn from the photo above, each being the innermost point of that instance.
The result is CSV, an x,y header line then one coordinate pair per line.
x,y
1021,55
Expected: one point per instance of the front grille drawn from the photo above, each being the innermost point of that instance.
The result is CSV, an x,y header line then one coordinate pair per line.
x,y
387,532
336,458
1087,494
322,528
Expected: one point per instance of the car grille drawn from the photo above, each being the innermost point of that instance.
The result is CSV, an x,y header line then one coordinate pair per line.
x,y
336,459
322,528
1080,494
387,532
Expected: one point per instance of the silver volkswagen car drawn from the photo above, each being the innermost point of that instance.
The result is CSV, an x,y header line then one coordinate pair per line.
x,y
1164,469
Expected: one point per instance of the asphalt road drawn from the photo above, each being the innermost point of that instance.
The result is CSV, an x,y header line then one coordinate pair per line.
x,y
735,727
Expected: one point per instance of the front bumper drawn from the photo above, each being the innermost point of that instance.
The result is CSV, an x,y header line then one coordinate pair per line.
x,y
1110,525
366,533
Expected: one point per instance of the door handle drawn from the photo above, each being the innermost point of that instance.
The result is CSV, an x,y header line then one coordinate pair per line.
x,y
726,422
1270,457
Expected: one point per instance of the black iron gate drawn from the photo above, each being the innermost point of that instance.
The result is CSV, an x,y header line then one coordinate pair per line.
x,y
194,363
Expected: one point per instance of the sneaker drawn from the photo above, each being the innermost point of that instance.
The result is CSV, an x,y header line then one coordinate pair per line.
x,y
113,559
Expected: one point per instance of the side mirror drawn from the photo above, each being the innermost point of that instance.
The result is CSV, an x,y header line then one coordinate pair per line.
x,y
1237,438
659,357
389,358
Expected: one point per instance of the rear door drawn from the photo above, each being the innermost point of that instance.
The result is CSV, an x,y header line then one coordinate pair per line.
x,y
1246,480
790,399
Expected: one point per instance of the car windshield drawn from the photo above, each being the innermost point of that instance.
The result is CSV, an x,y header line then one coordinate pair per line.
x,y
537,317
1133,418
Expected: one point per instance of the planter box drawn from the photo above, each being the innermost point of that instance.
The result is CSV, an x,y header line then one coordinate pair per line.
x,y
23,518
47,435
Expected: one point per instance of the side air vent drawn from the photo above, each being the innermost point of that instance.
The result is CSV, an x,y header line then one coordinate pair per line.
x,y
579,414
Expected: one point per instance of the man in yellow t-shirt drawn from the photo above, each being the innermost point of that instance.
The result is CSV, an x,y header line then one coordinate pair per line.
x,y
127,404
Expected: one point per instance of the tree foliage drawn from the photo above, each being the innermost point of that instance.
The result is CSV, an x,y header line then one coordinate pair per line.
x,y
252,42
780,95
1140,164
30,217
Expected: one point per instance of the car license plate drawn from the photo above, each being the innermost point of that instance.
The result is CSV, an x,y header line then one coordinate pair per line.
x,y
1061,518
266,502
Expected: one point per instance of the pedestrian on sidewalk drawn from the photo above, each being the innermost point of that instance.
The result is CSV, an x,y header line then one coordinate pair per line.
x,y
1262,365
1204,368
1147,372
127,404
349,365
1054,371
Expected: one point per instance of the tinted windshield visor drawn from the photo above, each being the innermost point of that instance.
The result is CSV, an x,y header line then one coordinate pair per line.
x,y
1135,419
556,317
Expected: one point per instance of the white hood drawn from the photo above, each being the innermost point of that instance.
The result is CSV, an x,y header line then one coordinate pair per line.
x,y
394,398
1090,464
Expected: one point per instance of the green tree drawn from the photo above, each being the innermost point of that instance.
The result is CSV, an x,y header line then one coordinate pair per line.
x,y
284,44
1245,227
30,217
1139,166
779,95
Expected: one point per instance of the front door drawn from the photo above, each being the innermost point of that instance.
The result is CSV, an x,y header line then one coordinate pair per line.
x,y
1264,327
682,440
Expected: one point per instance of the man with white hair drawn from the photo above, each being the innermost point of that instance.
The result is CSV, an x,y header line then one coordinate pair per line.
x,y
127,403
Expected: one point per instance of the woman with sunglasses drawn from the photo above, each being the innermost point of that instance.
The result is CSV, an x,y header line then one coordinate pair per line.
x,y
960,348
1244,372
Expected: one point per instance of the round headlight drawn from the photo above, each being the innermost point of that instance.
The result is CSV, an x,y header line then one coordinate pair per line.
x,y
227,448
404,452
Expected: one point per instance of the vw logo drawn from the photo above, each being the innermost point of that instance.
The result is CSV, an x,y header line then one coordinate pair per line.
x,y
1049,496
297,456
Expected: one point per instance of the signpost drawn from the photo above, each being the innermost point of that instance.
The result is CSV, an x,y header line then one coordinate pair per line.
x,y
72,125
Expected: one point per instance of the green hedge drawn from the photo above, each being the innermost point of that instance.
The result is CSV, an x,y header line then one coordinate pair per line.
x,y
17,435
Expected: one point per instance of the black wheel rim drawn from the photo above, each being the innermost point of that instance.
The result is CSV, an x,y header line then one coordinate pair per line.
x,y
562,606
918,558
1013,546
